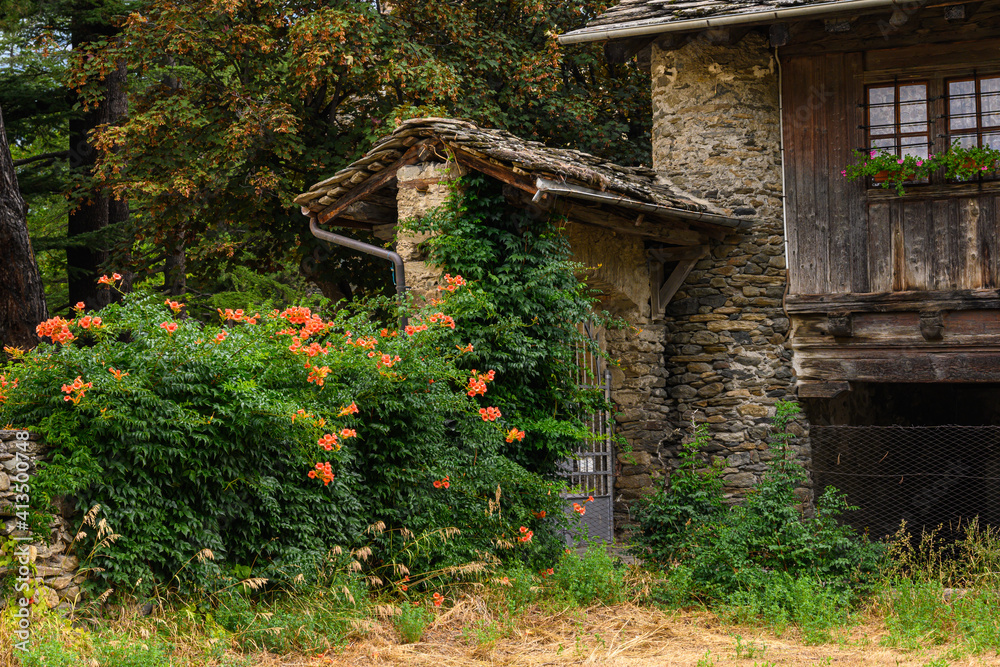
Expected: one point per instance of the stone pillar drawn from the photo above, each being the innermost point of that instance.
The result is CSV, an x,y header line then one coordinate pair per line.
x,y
56,570
422,187
716,134
615,265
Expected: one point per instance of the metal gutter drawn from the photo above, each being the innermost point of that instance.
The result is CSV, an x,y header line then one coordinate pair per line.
x,y
666,24
369,249
579,192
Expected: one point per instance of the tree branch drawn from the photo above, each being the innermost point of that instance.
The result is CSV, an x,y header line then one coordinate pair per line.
x,y
43,156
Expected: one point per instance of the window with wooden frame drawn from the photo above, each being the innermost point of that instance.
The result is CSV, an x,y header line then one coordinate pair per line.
x,y
898,118
973,108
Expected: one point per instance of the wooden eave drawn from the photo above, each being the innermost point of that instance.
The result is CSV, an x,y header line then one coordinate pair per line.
x,y
581,204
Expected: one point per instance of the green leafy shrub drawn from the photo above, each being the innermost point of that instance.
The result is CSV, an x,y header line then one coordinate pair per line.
x,y
197,436
592,577
691,497
763,554
779,599
412,621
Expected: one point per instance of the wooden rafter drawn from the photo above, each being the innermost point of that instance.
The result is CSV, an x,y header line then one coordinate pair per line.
x,y
416,153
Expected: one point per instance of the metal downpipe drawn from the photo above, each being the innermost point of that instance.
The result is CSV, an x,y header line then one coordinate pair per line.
x,y
368,249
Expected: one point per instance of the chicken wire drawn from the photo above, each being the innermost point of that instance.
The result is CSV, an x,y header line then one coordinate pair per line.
x,y
929,476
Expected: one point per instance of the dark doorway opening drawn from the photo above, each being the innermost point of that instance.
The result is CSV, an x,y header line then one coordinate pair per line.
x,y
928,454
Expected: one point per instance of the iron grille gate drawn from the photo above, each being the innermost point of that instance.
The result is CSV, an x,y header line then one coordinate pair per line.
x,y
928,475
590,471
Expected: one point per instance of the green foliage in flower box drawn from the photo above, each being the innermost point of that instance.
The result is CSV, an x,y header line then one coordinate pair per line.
x,y
891,171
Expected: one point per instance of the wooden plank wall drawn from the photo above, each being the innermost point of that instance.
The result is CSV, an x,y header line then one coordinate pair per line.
x,y
843,240
826,252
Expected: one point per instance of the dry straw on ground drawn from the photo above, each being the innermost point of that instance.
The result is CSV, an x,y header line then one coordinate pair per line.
x,y
624,635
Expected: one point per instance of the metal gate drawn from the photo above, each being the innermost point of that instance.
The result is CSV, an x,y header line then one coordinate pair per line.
x,y
590,471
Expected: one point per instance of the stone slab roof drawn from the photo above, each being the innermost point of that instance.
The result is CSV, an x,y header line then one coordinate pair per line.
x,y
523,159
640,10
649,17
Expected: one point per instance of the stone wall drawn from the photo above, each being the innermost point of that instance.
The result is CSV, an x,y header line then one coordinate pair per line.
x,y
720,356
616,266
56,570
422,187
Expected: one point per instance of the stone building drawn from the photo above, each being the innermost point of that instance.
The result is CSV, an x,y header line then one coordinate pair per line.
x,y
641,237
889,302
752,269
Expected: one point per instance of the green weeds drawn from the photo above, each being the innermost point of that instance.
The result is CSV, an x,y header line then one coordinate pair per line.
x,y
763,561
412,621
748,650
593,577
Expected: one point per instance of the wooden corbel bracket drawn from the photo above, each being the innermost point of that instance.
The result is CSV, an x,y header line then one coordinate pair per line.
x,y
840,324
932,325
662,287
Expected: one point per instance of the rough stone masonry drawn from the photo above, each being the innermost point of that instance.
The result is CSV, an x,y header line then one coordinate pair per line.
x,y
56,569
721,354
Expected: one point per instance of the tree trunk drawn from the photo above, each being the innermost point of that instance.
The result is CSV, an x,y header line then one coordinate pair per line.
x,y
22,300
174,269
85,263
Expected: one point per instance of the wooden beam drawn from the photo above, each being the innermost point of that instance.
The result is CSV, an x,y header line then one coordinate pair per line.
x,y
500,172
822,389
932,325
888,302
840,325
672,232
958,329
870,30
954,14
900,16
621,51
662,291
417,153
678,254
367,212
676,279
728,35
654,230
838,25
900,365
656,309
778,34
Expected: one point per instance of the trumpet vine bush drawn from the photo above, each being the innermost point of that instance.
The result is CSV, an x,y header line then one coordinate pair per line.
x,y
524,322
269,437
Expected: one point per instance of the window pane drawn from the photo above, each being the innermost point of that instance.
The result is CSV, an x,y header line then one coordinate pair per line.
x,y
992,140
965,140
913,108
961,105
888,144
882,110
916,146
989,91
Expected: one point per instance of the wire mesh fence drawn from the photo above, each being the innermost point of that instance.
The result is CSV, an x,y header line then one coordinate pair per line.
x,y
929,476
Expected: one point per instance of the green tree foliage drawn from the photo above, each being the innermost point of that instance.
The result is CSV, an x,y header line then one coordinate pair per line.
x,y
194,436
237,106
49,136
